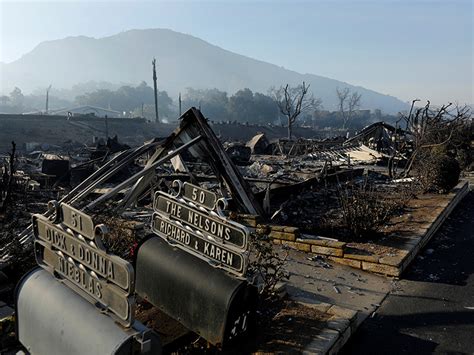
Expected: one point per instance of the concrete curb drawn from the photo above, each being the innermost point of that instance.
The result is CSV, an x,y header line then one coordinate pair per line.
x,y
342,323
462,190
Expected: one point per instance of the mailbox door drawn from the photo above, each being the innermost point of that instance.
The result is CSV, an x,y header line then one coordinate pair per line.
x,y
206,300
52,319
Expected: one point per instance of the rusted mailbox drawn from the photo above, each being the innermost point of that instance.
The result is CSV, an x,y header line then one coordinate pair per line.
x,y
52,319
194,267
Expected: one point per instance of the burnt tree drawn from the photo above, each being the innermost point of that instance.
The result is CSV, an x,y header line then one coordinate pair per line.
x,y
348,103
293,101
436,130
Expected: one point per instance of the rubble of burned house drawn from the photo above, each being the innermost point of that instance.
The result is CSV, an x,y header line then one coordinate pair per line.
x,y
173,212
299,181
29,179
103,218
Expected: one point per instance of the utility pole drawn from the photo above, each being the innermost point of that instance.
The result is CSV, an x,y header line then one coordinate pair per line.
x,y
157,118
47,98
106,128
143,115
179,99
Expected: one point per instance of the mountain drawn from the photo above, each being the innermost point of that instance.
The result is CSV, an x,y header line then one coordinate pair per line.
x,y
183,61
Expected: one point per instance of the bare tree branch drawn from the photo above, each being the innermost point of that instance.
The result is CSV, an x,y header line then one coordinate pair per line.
x,y
348,103
432,128
294,101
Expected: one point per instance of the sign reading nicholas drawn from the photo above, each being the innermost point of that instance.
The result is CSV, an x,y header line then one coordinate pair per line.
x,y
202,232
72,251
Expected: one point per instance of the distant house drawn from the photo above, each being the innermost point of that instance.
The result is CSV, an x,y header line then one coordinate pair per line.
x,y
378,136
86,111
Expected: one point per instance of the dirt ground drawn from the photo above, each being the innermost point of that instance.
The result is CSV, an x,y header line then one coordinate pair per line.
x,y
415,216
282,326
290,329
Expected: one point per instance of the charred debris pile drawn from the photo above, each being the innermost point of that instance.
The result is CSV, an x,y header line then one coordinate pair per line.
x,y
329,188
302,183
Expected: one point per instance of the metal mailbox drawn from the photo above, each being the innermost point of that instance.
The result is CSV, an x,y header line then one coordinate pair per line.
x,y
52,319
206,300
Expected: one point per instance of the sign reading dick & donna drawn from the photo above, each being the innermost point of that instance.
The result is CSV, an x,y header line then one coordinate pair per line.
x,y
72,251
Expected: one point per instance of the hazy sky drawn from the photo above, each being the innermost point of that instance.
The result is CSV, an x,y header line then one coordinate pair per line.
x,y
409,49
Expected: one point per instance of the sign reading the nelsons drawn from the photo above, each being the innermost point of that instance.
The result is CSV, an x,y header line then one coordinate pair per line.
x,y
188,223
213,226
197,244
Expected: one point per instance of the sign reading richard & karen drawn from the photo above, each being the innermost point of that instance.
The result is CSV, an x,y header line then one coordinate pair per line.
x,y
190,223
71,249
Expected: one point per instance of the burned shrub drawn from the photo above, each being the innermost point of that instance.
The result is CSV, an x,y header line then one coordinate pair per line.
x,y
437,135
464,158
267,267
364,209
122,237
438,172
461,145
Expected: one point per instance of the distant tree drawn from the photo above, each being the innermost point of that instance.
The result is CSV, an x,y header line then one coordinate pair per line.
x,y
90,86
129,99
348,103
241,105
378,114
213,102
35,102
246,106
167,110
100,98
4,99
293,101
17,97
265,108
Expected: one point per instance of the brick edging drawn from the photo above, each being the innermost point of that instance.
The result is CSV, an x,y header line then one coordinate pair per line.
x,y
339,251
